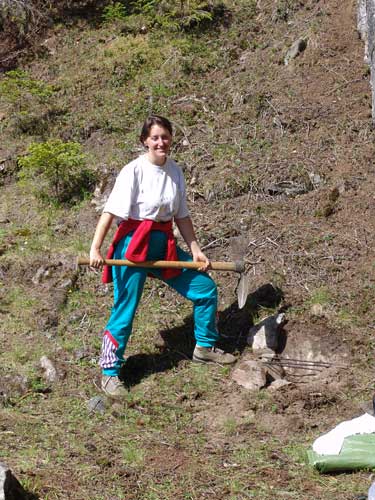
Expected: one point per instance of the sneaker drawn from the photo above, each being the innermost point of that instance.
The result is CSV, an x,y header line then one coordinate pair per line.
x,y
212,355
113,387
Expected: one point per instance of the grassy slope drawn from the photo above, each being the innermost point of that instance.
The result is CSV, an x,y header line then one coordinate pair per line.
x,y
244,121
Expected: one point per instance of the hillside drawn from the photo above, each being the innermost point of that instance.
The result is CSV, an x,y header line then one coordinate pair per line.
x,y
279,165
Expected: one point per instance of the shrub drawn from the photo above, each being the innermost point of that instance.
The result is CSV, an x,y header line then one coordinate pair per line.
x,y
167,14
113,12
57,171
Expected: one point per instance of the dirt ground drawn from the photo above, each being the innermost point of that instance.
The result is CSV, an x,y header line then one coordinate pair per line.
x,y
305,227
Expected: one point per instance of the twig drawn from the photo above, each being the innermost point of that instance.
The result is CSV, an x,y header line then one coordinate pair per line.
x,y
212,243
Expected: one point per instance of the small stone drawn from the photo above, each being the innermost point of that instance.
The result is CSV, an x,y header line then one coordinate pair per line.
x,y
50,372
317,310
295,50
96,405
68,283
315,179
39,275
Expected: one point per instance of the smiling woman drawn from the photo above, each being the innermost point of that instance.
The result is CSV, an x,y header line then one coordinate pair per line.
x,y
148,196
156,136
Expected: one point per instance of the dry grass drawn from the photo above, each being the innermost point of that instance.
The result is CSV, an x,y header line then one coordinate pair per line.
x,y
245,125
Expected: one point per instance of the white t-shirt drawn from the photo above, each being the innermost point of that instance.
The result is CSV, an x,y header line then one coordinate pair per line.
x,y
146,191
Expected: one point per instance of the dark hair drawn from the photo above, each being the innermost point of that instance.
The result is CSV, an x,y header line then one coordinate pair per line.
x,y
154,120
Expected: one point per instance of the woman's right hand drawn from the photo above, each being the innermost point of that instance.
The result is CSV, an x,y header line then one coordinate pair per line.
x,y
96,258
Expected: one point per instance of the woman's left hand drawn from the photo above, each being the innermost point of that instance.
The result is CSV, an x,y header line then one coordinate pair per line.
x,y
199,256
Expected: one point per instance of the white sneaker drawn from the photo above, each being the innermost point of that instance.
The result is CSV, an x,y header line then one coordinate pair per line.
x,y
213,355
113,387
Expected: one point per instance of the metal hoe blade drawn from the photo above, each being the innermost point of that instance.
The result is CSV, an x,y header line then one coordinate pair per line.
x,y
243,289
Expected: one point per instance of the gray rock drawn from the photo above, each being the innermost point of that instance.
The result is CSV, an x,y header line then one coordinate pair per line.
x,y
250,374
96,405
12,386
362,27
50,372
366,28
288,188
10,488
315,179
295,50
41,273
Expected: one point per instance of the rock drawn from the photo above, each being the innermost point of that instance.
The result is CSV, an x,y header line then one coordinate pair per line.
x,y
12,386
295,50
317,310
288,188
366,28
50,45
274,371
264,336
66,284
362,27
10,488
315,179
103,188
50,372
277,384
250,374
41,273
96,405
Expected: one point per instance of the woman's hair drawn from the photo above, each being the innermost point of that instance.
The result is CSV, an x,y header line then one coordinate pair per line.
x,y
154,120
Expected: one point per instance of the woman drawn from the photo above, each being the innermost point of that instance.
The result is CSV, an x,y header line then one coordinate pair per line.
x,y
149,194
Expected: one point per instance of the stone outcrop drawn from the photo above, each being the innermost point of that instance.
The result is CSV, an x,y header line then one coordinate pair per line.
x,y
366,30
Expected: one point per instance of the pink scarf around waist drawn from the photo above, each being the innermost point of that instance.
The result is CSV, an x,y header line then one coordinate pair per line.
x,y
138,246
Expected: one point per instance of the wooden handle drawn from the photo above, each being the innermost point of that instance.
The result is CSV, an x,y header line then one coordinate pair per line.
x,y
175,264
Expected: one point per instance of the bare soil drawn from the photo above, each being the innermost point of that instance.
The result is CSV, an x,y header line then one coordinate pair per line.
x,y
310,253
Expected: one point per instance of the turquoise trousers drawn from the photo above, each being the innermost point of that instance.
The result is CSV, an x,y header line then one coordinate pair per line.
x,y
128,285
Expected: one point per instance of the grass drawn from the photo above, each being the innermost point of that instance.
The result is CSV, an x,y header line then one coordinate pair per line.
x,y
185,431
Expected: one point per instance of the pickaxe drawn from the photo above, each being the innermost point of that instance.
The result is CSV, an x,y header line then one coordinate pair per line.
x,y
237,266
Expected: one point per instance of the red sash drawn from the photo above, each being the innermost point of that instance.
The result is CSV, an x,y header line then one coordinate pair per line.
x,y
138,246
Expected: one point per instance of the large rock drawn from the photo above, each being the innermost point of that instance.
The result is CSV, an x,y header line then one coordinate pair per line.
x,y
366,29
264,337
10,488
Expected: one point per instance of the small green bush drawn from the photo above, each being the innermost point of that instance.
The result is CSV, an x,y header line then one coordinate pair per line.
x,y
56,171
167,14
115,11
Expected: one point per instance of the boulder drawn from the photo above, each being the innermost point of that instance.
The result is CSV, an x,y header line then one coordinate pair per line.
x,y
264,337
295,50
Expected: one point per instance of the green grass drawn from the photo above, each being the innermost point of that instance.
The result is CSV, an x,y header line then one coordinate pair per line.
x,y
185,431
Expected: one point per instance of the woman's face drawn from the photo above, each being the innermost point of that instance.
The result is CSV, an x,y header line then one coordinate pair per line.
x,y
159,143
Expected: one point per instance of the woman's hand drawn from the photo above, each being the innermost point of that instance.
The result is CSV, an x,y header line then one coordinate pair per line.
x,y
96,258
199,256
